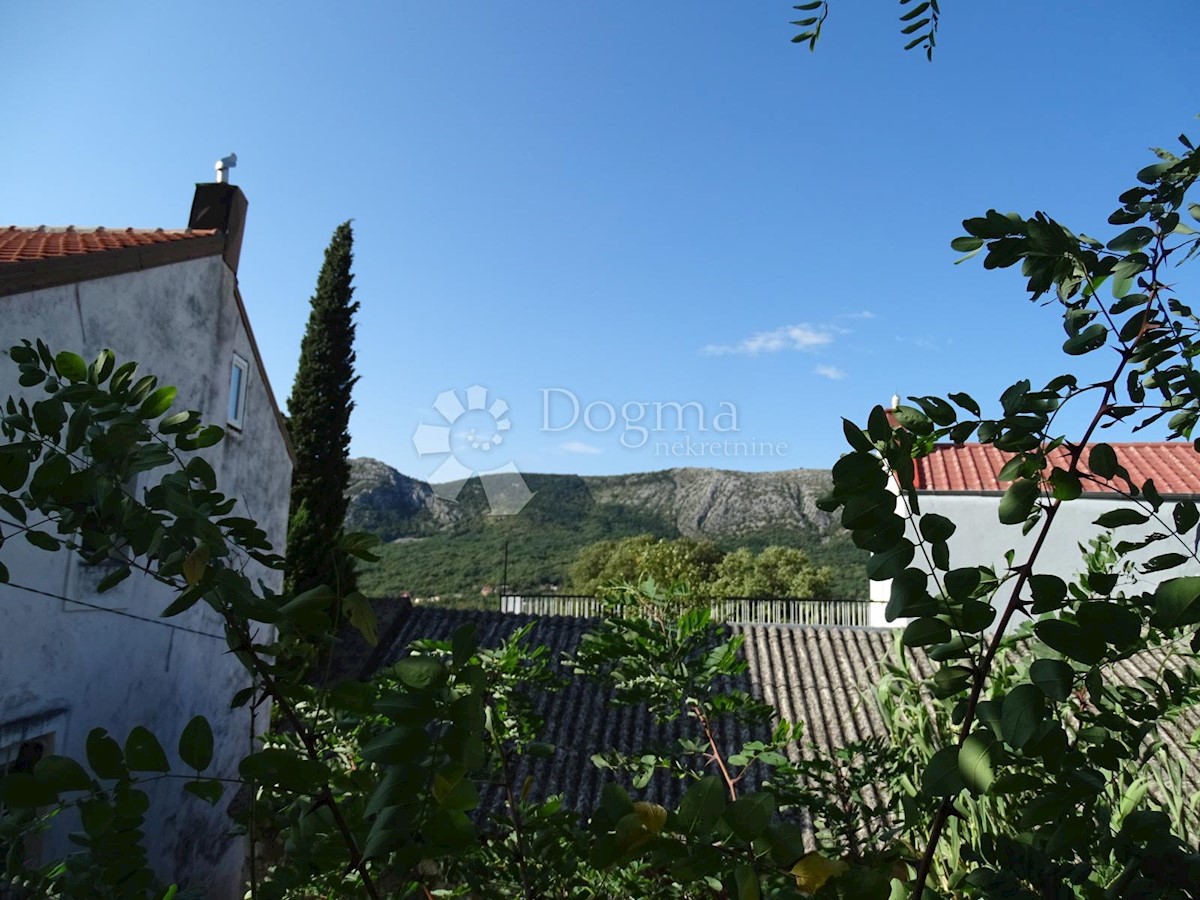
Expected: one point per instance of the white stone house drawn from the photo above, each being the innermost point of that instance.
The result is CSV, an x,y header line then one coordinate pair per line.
x,y
72,659
961,482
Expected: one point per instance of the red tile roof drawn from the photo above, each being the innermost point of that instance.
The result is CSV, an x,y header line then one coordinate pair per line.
x,y
28,244
1175,467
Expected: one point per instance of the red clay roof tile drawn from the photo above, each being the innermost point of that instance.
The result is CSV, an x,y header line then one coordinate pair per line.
x,y
1175,468
26,244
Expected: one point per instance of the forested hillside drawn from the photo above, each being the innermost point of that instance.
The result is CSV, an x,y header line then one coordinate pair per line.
x,y
438,547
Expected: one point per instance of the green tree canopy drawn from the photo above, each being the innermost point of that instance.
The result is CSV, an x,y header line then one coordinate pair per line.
x,y
701,567
775,572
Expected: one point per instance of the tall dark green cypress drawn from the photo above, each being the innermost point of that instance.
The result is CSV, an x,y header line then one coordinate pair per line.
x,y
319,410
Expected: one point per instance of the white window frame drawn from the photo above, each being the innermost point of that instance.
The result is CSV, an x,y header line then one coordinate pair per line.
x,y
237,382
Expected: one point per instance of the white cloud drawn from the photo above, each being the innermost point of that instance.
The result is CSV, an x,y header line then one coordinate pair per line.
x,y
831,372
578,447
865,314
789,337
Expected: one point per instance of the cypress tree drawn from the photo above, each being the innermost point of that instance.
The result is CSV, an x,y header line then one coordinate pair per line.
x,y
319,410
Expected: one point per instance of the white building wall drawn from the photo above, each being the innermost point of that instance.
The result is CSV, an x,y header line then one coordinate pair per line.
x,y
981,540
89,668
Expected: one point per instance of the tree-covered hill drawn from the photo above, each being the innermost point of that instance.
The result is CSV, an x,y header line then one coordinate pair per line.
x,y
438,547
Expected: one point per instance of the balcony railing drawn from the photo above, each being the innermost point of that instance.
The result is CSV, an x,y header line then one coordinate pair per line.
x,y
733,610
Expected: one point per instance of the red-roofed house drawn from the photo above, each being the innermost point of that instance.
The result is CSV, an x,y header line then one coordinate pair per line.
x,y
962,483
72,659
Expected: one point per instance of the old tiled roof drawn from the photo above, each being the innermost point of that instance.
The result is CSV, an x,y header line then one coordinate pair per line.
x,y
27,244
812,673
821,676
1175,468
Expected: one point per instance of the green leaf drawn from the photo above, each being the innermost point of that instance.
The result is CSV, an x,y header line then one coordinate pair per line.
x,y
855,437
62,774
196,744
1021,718
22,791
864,510
454,791
1091,338
936,528
207,789
400,745
878,426
1049,593
1070,640
1102,460
1185,515
1066,485
185,601
42,541
1018,501
157,403
1115,518
949,680
1053,676
925,631
104,755
975,761
285,769
942,777
913,419
750,814
967,402
890,563
70,366
1177,602
1165,561
1131,240
961,583
1116,624
143,752
745,880
421,672
909,596
464,643
50,416
14,468
112,579
702,804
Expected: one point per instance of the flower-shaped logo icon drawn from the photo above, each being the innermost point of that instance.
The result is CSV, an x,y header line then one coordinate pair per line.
x,y
467,433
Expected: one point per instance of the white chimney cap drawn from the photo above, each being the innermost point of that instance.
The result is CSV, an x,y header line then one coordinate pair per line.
x,y
224,164
895,400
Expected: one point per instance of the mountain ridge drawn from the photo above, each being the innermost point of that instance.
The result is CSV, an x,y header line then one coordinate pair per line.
x,y
435,545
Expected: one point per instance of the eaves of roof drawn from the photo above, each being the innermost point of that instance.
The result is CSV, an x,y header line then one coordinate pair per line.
x,y
28,265
974,469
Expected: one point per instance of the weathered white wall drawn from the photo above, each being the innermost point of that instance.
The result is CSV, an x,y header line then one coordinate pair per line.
x,y
982,541
181,323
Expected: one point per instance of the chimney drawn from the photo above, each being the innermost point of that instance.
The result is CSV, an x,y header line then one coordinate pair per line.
x,y
222,206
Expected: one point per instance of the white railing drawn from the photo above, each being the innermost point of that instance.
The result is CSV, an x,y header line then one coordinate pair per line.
x,y
734,610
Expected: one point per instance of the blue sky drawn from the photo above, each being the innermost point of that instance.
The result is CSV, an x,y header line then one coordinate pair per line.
x,y
609,205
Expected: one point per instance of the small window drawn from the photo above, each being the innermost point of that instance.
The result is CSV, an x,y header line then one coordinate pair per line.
x,y
22,744
238,374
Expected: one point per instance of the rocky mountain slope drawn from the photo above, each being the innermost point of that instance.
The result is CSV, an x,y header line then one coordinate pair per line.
x,y
435,546
701,503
